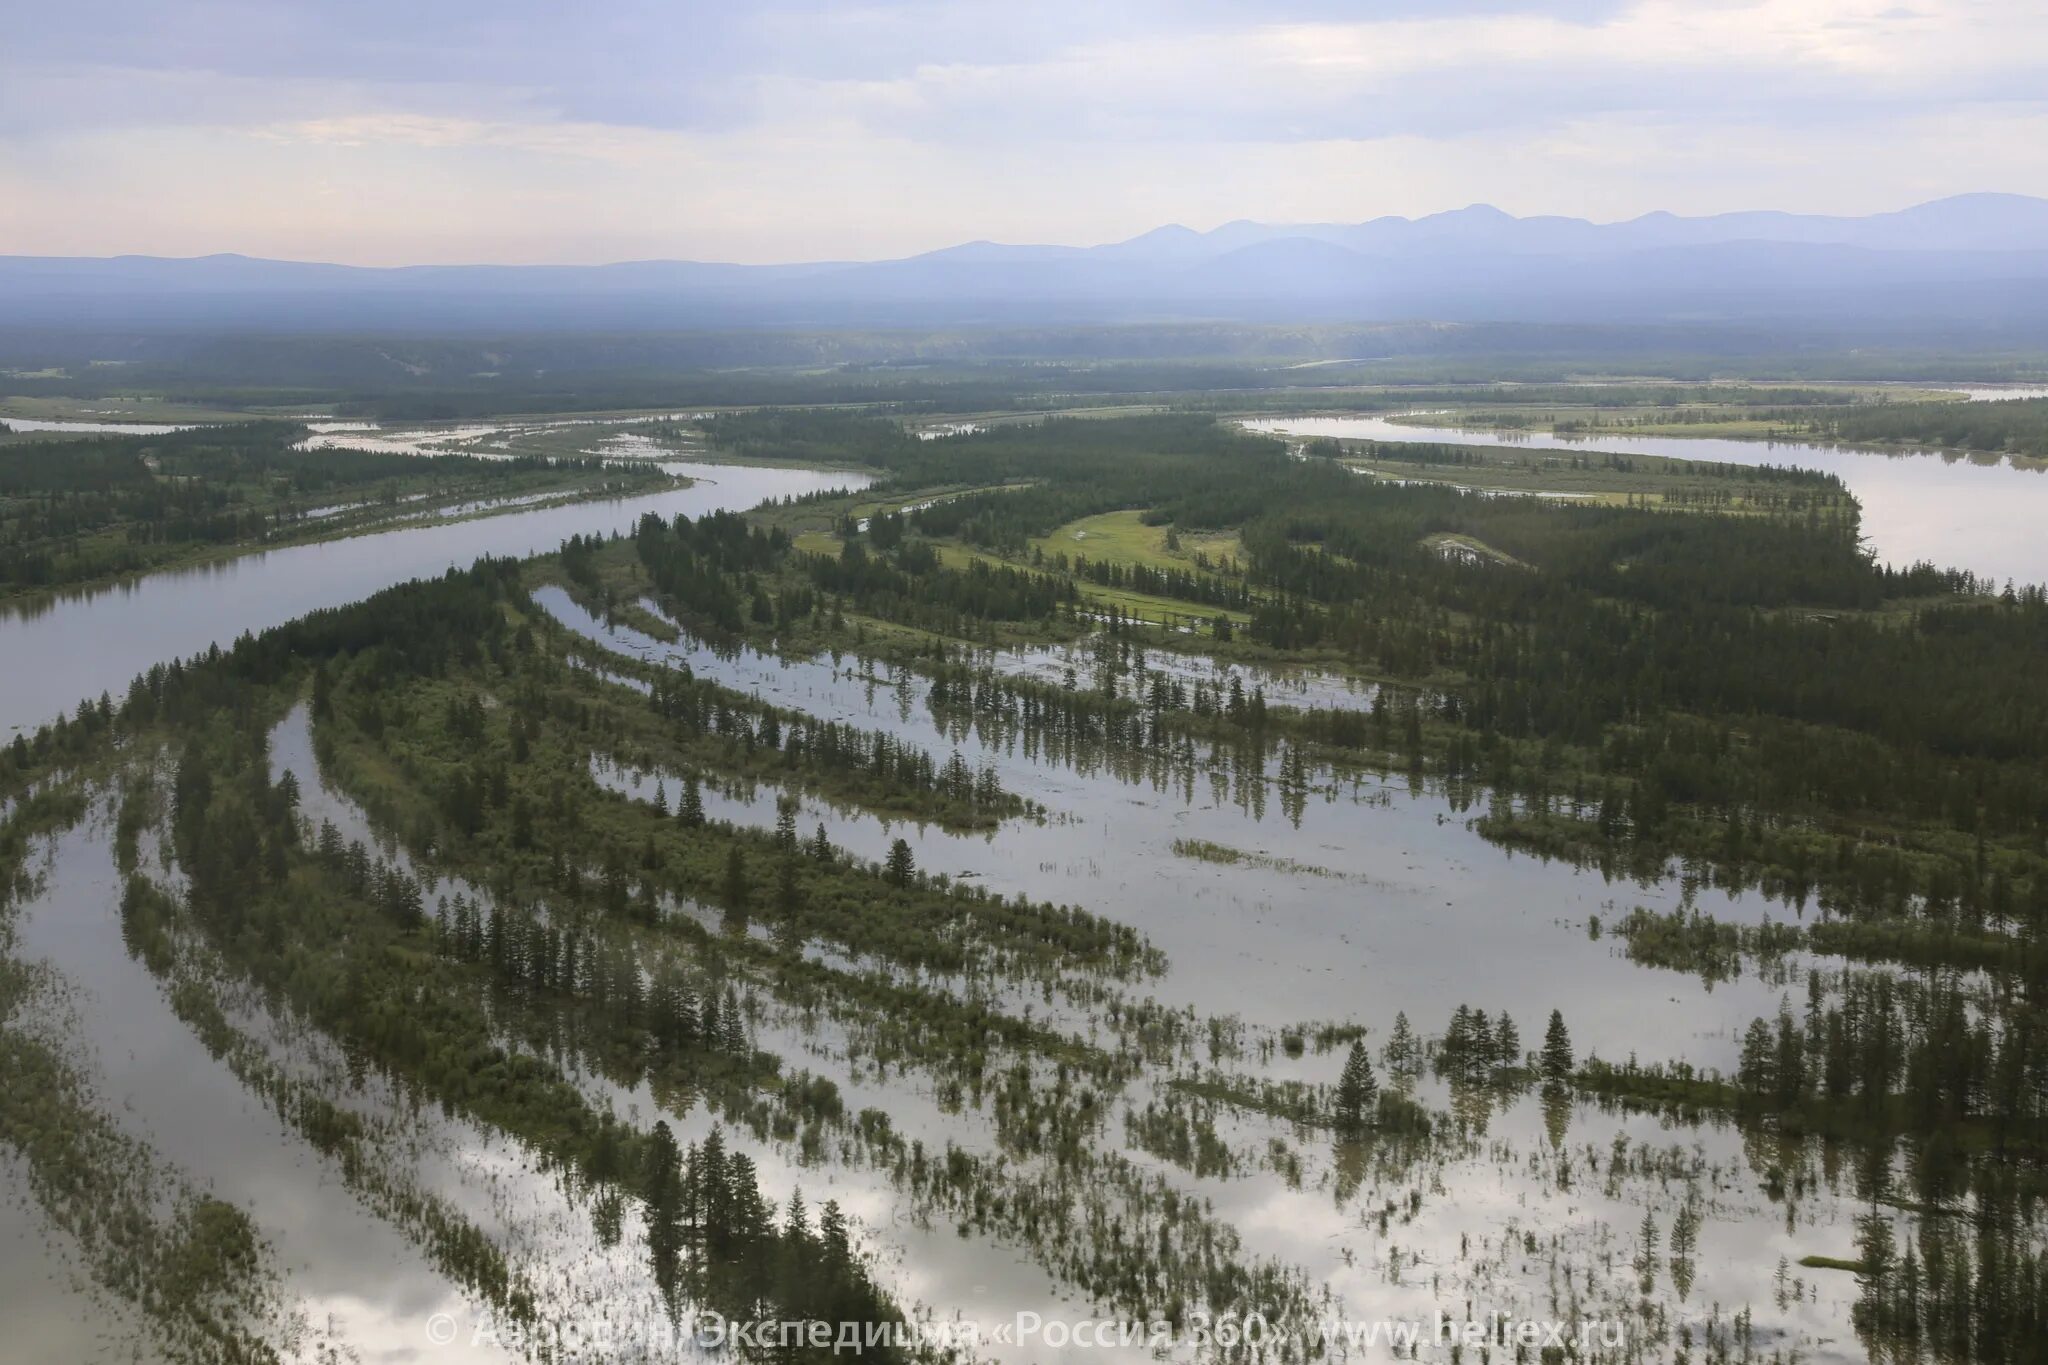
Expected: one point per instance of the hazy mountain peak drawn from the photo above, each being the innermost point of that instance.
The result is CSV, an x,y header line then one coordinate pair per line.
x,y
1963,256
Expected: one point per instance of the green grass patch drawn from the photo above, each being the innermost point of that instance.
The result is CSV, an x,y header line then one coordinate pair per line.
x,y
1124,538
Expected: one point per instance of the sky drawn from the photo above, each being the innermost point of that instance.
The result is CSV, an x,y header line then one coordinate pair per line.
x,y
385,132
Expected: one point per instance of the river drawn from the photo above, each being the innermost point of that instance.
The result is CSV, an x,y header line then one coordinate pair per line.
x,y
74,646
1976,512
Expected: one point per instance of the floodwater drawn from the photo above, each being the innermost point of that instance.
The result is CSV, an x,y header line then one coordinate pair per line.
x,y
2002,394
1354,897
81,428
77,646
1377,894
1379,899
496,437
1372,899
345,1266
1976,512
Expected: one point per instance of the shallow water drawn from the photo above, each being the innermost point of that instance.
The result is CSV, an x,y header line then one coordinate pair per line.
x,y
486,437
53,1312
1379,900
1488,1191
1975,512
1367,898
1405,908
158,1080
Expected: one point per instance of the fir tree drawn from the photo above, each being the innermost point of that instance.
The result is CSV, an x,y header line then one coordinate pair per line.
x,y
1507,1042
737,887
1356,1088
1557,1052
661,1194
902,865
1401,1053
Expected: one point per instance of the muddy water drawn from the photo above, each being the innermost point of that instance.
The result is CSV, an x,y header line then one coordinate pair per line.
x,y
1976,512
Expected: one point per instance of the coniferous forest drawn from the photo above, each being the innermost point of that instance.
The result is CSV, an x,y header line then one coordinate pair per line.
x,y
1048,865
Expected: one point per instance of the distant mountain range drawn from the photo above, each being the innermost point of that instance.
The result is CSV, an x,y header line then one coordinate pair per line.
x,y
1971,259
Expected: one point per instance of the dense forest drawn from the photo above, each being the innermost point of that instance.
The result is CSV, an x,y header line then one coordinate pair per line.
x,y
1788,697
2012,427
417,377
85,509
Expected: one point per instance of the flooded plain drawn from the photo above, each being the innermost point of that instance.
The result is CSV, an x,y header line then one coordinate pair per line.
x,y
1370,898
1338,901
1977,512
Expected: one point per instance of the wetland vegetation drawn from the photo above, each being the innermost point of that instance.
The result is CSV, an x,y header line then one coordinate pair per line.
x,y
996,889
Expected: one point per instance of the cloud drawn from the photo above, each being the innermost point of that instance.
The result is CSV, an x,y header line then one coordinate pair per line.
x,y
790,128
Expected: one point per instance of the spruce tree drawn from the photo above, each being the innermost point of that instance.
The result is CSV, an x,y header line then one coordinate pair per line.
x,y
902,865
1356,1088
1507,1042
788,894
738,889
661,1194
1400,1051
1557,1052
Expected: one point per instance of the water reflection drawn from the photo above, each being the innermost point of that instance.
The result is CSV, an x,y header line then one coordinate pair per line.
x,y
1379,900
1977,512
71,647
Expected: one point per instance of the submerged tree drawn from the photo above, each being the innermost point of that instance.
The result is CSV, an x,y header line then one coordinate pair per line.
x,y
902,866
661,1194
690,808
1357,1087
1557,1052
1402,1054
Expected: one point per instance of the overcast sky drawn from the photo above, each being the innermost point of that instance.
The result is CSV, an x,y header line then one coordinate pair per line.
x,y
395,131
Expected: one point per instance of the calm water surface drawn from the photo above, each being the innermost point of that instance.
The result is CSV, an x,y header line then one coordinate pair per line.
x,y
83,428
78,646
1976,512
1364,899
